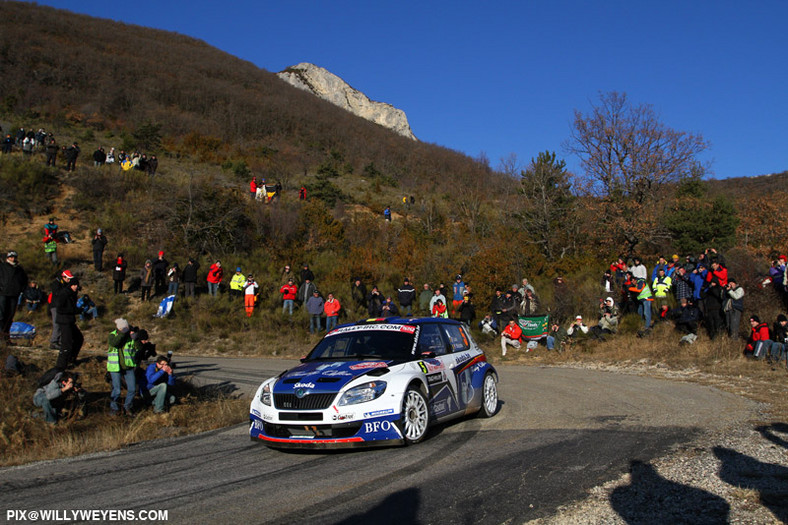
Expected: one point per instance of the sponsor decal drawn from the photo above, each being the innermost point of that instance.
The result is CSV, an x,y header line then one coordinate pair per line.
x,y
433,379
377,426
257,425
439,407
462,357
267,417
343,417
327,366
337,373
297,374
430,365
378,413
408,329
256,412
304,385
368,365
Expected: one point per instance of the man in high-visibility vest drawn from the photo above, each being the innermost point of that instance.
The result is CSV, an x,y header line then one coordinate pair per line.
x,y
644,298
50,249
237,283
661,287
121,363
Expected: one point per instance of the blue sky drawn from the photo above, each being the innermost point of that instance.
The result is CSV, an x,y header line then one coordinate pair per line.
x,y
504,77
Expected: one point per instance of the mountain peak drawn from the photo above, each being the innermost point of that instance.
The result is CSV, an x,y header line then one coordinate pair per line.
x,y
328,86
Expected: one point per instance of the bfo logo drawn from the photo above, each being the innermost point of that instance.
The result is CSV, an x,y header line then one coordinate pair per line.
x,y
377,426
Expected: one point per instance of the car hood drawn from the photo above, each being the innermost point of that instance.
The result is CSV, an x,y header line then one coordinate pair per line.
x,y
325,376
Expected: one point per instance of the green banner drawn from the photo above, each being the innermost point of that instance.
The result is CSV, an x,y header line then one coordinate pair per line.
x,y
534,327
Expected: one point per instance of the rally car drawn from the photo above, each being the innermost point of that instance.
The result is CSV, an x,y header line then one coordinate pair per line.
x,y
376,382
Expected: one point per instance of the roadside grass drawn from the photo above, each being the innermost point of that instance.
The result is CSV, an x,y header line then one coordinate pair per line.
x,y
25,438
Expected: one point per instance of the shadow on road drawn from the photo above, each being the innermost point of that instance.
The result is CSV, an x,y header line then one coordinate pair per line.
x,y
769,480
650,498
768,432
398,508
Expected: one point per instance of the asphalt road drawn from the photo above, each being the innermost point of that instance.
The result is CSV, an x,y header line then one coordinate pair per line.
x,y
559,432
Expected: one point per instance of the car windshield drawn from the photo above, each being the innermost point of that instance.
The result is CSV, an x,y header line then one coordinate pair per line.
x,y
393,344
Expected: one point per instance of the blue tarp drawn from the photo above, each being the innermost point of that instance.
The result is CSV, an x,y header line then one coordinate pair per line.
x,y
22,330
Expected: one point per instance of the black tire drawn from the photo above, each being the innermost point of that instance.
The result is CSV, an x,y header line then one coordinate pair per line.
x,y
489,396
415,417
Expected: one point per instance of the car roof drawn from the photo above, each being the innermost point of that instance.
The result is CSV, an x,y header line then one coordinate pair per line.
x,y
403,321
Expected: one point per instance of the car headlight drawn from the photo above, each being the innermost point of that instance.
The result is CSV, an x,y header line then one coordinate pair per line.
x,y
363,393
265,395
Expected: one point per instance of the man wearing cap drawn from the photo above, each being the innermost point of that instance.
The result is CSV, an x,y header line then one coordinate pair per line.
x,y
458,290
60,282
214,278
71,339
314,307
578,327
733,306
160,267
99,242
122,364
189,277
13,281
250,295
406,294
237,283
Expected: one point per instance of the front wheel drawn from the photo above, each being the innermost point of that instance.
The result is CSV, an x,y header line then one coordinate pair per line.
x,y
415,418
489,396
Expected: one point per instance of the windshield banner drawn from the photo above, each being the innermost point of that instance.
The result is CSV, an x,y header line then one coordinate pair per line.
x,y
534,327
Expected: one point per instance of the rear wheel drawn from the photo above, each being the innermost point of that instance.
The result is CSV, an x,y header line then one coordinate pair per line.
x,y
489,396
415,418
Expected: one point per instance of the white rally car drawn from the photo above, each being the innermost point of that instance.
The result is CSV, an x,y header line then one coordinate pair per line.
x,y
376,382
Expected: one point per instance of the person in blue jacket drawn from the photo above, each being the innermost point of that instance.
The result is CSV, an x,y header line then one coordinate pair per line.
x,y
160,380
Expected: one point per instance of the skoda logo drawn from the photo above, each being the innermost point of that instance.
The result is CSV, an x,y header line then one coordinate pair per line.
x,y
301,392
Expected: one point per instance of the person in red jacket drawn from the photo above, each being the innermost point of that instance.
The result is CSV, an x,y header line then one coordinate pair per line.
x,y
512,335
331,309
253,188
215,274
288,292
718,271
759,342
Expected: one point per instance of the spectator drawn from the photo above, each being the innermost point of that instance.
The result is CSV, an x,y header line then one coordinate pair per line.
x,y
160,267
111,156
237,283
713,298
153,166
467,310
13,281
558,336
682,285
488,326
50,228
302,194
387,213
389,308
458,291
288,292
121,364
52,149
50,249
359,294
527,286
733,306
214,278
577,328
147,349
759,343
661,286
99,157
638,269
686,317
439,309
437,295
86,306
32,297
99,242
173,279
608,320
59,395
779,349
331,309
119,273
374,302
71,338
314,307
512,336
61,281
306,273
661,264
8,144
719,271
529,306
640,288
424,299
146,281
160,381
510,305
406,294
496,307
253,188
189,277
306,291
287,273
72,152
250,295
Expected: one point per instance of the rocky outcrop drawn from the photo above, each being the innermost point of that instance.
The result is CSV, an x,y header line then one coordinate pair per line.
x,y
330,87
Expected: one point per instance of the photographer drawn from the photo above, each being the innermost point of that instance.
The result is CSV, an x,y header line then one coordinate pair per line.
x,y
160,380
55,396
608,320
733,306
